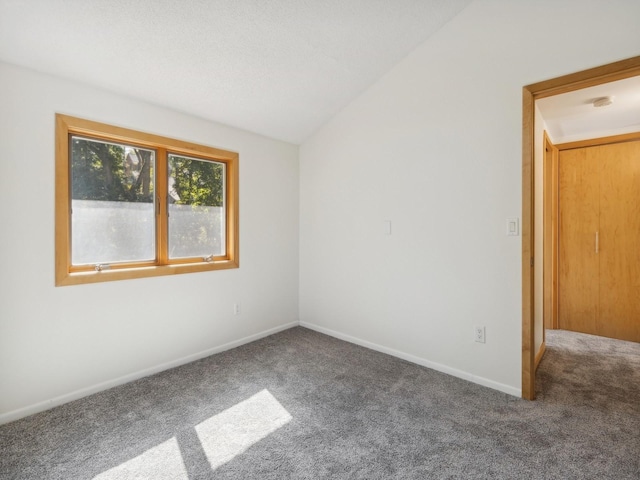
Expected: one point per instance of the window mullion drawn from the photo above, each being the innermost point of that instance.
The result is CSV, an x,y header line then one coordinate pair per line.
x,y
162,208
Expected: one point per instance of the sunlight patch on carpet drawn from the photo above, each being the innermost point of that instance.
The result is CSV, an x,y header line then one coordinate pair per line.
x,y
161,462
234,430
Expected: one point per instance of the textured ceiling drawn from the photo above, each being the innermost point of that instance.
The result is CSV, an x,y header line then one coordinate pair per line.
x,y
280,68
572,116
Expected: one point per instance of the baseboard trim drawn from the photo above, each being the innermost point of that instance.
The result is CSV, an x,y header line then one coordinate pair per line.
x,y
485,382
83,392
540,354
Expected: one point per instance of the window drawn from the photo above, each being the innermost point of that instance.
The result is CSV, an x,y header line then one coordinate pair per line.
x,y
131,204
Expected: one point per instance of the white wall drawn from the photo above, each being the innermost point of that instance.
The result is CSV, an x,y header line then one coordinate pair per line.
x,y
60,343
435,147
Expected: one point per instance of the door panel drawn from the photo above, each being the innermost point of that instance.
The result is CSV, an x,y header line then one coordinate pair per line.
x,y
619,311
579,187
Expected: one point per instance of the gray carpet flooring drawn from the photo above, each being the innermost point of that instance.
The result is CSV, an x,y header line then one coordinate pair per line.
x,y
303,405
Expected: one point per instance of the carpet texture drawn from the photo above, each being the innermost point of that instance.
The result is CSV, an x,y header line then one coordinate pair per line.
x,y
303,405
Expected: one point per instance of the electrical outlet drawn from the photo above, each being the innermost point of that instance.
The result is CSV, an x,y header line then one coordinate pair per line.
x,y
479,334
236,309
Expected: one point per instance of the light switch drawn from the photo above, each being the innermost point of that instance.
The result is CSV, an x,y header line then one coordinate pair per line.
x,y
513,227
387,227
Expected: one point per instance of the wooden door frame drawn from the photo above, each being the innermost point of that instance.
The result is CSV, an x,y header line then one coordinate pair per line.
x,y
550,195
596,142
530,93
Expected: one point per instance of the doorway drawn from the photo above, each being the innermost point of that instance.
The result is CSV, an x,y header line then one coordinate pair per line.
x,y
599,234
568,83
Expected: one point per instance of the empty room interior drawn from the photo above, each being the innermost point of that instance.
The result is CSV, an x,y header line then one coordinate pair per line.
x,y
319,239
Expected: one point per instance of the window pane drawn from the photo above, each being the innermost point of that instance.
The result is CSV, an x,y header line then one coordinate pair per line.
x,y
112,192
196,207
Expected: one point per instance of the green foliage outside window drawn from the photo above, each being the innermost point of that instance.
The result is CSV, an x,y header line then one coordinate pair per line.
x,y
111,172
195,182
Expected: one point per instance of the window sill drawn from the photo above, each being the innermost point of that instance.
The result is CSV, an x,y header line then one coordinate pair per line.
x,y
80,278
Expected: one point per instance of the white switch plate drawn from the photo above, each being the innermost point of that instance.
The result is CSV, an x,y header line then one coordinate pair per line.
x,y
513,227
387,227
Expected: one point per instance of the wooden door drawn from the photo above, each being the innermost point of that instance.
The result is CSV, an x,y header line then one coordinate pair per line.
x,y
579,191
619,312
599,240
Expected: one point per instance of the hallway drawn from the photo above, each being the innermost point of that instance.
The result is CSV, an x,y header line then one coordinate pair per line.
x,y
590,371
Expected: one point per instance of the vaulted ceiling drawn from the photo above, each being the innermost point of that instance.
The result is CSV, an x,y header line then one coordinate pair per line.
x,y
280,68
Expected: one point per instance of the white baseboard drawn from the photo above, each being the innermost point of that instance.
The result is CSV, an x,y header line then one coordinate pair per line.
x,y
83,392
485,382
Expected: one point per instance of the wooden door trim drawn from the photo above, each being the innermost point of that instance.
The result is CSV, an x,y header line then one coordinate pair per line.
x,y
540,354
530,93
550,233
594,142
586,78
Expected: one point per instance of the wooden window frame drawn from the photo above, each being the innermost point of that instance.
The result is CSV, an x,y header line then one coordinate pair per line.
x,y
67,274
